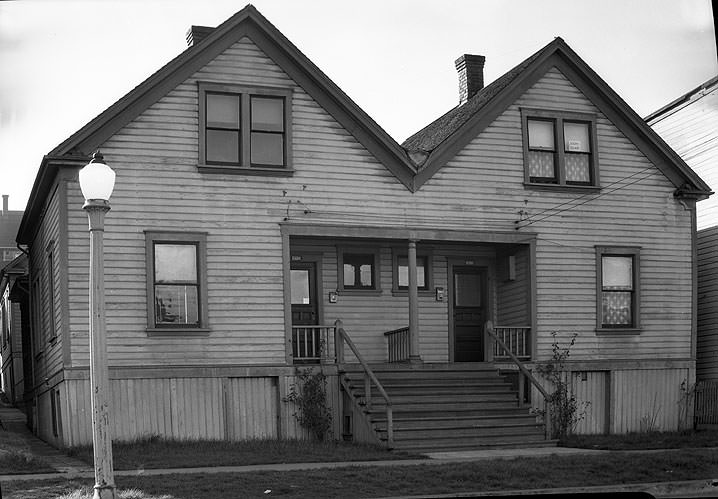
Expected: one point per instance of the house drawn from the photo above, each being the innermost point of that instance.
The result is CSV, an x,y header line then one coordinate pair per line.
x,y
13,318
9,222
12,269
688,124
256,204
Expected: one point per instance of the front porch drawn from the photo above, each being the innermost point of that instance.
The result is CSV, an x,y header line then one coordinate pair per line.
x,y
406,317
420,299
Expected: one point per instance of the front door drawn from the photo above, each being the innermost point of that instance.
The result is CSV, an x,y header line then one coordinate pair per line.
x,y
305,340
304,293
468,309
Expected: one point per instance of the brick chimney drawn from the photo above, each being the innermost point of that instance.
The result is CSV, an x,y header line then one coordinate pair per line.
x,y
5,198
196,34
471,75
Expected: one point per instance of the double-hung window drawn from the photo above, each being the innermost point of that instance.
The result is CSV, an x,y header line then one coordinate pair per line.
x,y
559,148
618,288
244,130
176,281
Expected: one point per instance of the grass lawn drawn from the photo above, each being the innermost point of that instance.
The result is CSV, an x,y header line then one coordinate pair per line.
x,y
652,440
355,482
15,459
156,452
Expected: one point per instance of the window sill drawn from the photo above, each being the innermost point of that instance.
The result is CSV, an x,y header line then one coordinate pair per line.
x,y
241,170
177,331
562,187
404,292
622,331
359,292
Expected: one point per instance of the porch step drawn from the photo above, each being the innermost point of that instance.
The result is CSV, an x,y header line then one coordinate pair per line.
x,y
446,407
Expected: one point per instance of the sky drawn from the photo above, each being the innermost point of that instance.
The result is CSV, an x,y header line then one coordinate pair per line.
x,y
63,62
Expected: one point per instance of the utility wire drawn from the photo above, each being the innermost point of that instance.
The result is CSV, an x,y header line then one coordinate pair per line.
x,y
531,222
587,194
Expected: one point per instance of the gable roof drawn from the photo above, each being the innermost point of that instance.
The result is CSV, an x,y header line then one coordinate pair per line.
x,y
701,89
442,139
412,163
76,149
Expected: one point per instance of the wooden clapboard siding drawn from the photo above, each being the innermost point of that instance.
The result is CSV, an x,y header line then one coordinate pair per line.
x,y
49,339
690,129
513,296
707,347
644,214
337,180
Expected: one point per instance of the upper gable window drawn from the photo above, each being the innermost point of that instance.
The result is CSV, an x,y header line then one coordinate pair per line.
x,y
244,130
559,148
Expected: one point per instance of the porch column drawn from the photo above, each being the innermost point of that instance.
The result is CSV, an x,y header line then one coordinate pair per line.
x,y
414,355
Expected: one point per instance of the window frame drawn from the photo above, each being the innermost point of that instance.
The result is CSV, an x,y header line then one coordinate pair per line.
x,y
199,239
376,271
244,165
52,324
621,251
428,288
558,118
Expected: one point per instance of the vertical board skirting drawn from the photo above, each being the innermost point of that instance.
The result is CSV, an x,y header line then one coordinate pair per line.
x,y
626,400
210,408
592,390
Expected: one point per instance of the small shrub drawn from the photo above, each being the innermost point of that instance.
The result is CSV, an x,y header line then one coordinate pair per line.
x,y
566,411
309,395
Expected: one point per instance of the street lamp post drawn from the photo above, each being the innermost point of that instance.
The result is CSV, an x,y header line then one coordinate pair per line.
x,y
96,182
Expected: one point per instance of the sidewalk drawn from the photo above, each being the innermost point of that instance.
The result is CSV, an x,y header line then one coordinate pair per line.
x,y
72,468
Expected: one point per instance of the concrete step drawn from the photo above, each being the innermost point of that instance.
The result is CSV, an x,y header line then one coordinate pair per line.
x,y
446,446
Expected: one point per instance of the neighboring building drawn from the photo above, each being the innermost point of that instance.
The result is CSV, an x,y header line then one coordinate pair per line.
x,y
13,321
9,223
256,204
11,374
690,125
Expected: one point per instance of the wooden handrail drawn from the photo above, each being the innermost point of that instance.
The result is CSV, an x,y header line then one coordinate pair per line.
x,y
489,329
369,377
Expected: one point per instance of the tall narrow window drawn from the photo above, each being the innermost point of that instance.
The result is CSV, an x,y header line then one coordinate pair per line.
x,y
267,144
618,270
542,151
51,334
176,284
223,140
577,152
176,280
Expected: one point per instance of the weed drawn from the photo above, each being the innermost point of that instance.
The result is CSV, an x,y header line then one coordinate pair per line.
x,y
309,395
566,411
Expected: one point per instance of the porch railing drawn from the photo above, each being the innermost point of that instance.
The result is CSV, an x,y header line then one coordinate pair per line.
x,y
341,337
523,373
398,344
310,343
516,339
